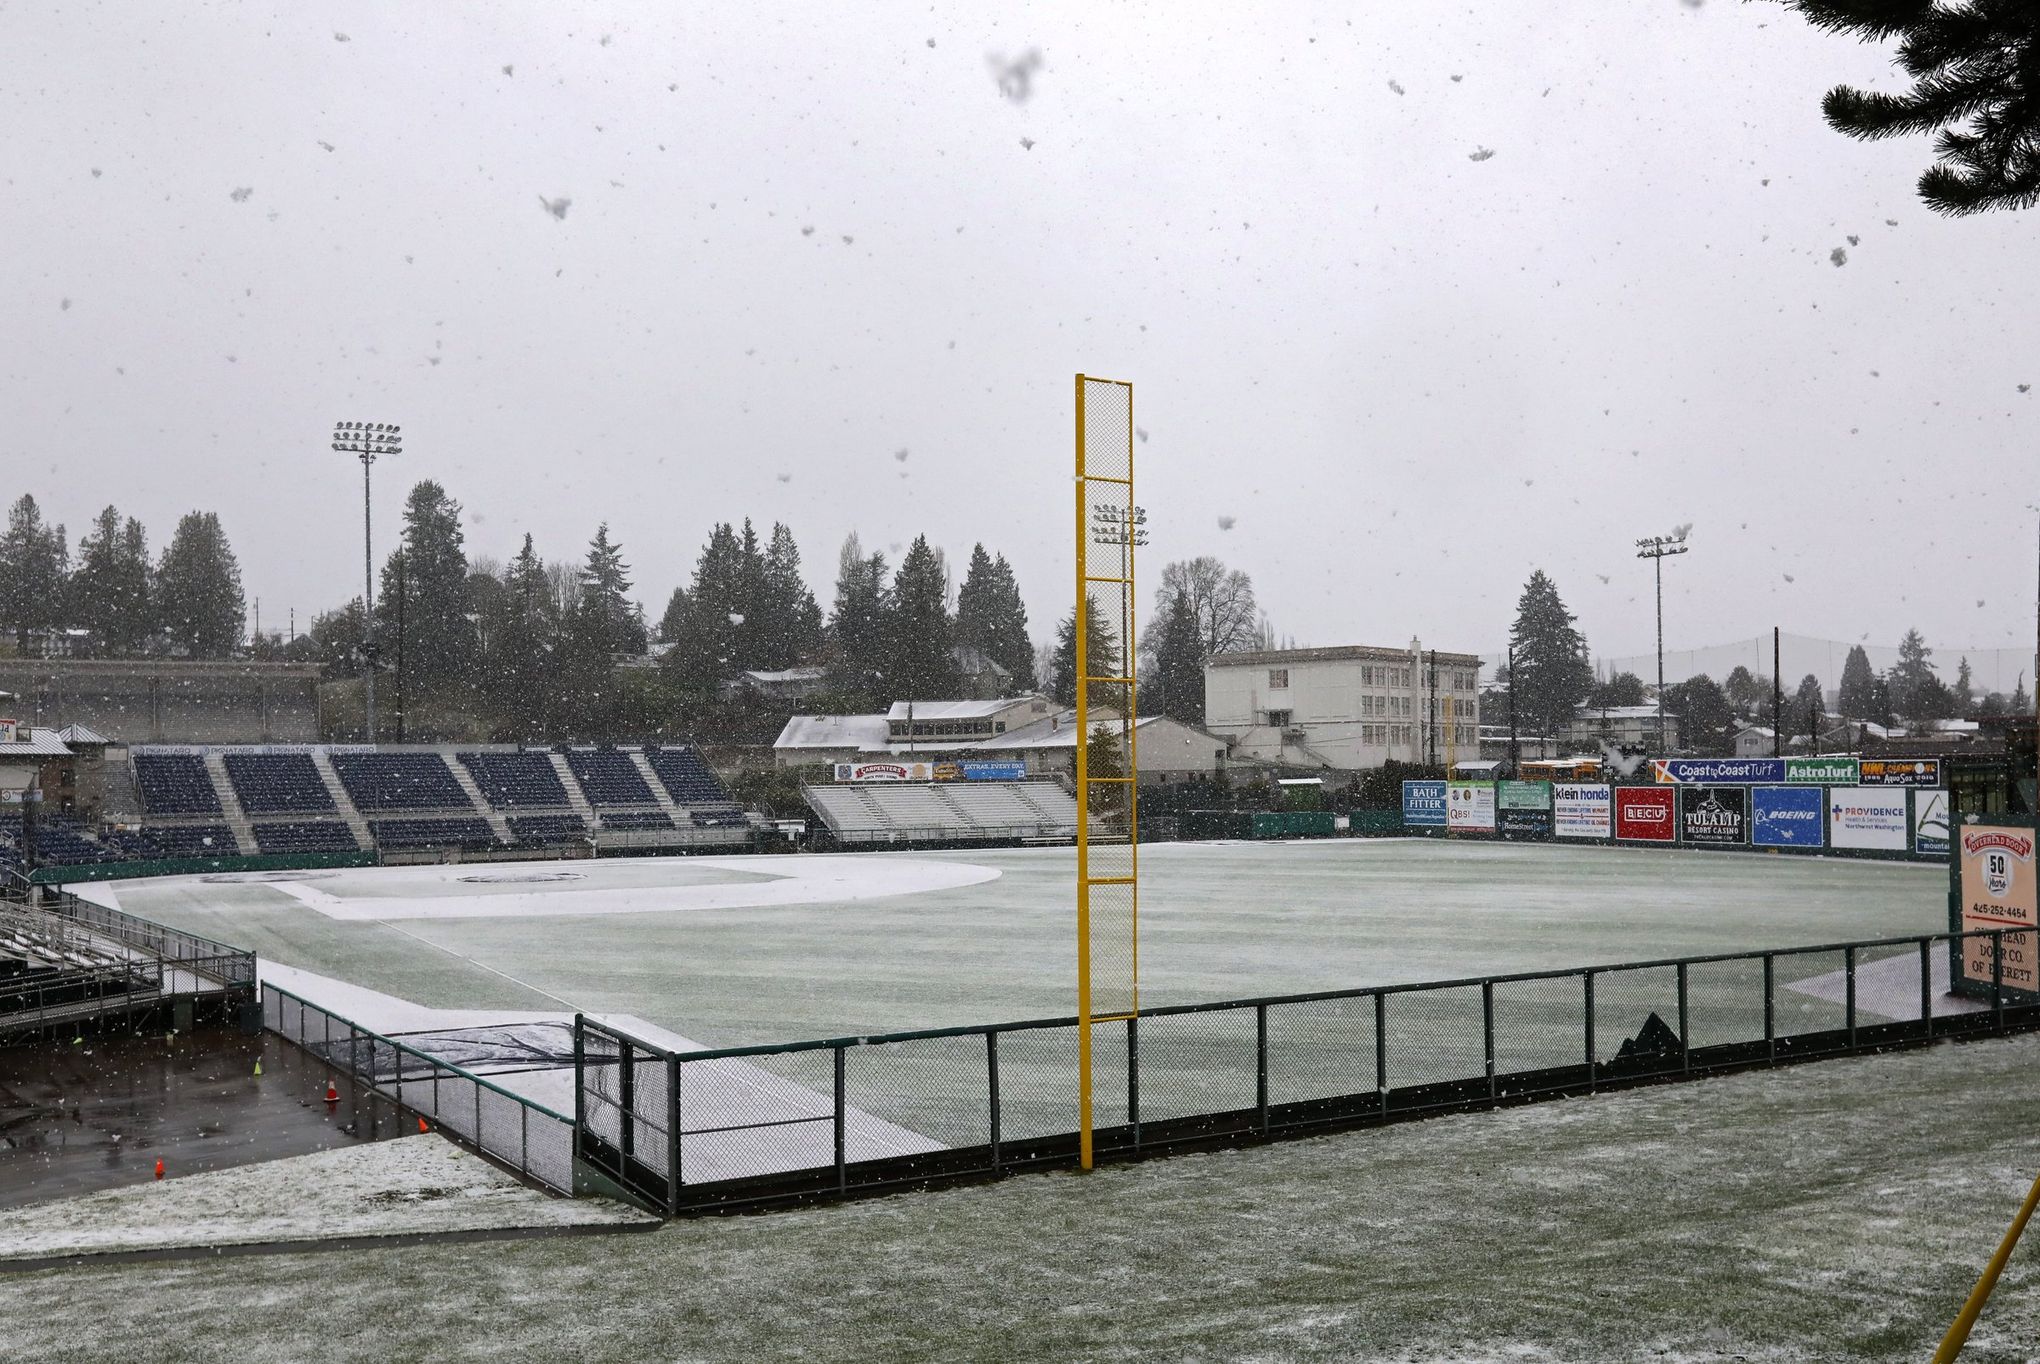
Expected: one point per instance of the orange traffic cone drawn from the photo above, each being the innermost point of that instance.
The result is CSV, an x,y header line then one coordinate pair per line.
x,y
422,1127
332,1093
159,1169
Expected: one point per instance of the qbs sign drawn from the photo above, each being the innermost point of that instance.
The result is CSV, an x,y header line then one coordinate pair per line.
x,y
1645,814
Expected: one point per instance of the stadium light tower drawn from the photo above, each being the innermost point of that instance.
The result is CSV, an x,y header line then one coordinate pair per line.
x,y
1658,548
367,440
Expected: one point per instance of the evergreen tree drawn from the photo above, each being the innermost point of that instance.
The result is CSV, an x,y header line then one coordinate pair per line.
x,y
1101,642
610,622
1974,68
439,643
1707,722
991,618
198,589
1623,689
1809,710
707,651
1552,675
860,624
336,638
1750,693
32,571
110,589
2021,703
1175,687
1963,694
1856,699
789,622
674,621
523,649
1916,692
923,669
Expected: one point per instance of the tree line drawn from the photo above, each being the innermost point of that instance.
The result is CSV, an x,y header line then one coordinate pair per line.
x,y
110,597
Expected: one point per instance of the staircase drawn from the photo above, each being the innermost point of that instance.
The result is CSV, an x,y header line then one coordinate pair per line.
x,y
341,801
955,807
659,791
230,804
576,797
499,825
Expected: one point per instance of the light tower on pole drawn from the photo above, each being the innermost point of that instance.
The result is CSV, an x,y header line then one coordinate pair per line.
x,y
367,440
1658,548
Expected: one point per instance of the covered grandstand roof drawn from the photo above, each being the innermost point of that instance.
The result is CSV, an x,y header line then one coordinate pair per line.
x,y
953,710
864,733
79,734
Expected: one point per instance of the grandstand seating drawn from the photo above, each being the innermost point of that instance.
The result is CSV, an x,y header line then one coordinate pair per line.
x,y
686,777
608,777
278,784
194,840
305,836
718,819
958,811
400,781
175,784
511,781
432,833
527,830
634,819
131,844
58,842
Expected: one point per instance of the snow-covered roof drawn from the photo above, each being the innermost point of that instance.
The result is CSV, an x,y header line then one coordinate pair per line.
x,y
863,733
954,710
1586,713
41,743
786,675
1057,731
79,734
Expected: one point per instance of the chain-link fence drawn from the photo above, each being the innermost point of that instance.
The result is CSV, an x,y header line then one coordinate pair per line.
x,y
522,1133
755,1125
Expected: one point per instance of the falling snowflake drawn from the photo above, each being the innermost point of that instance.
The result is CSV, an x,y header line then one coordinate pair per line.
x,y
786,478
1789,578
1853,239
900,454
931,42
1838,257
849,240
96,172
1396,86
1226,522
736,617
327,145
1457,79
1028,143
1141,431
1480,153
342,38
1016,78
510,69
1602,576
807,232
557,207
1682,530
2025,388
240,196
1891,222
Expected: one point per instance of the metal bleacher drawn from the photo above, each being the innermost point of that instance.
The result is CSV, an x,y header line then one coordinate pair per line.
x,y
945,812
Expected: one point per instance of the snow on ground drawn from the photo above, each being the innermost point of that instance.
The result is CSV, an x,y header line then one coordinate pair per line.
x,y
407,1186
1833,1211
606,886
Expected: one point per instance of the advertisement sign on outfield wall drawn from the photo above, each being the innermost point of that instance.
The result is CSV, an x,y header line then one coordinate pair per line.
x,y
1714,816
1901,771
1523,795
1423,804
1930,823
1786,816
1868,817
1822,771
1582,810
1470,807
1645,814
1730,770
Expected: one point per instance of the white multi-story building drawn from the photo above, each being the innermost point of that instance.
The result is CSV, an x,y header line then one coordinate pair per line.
x,y
1349,707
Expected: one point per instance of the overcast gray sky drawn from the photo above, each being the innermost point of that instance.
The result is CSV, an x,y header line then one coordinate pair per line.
x,y
804,237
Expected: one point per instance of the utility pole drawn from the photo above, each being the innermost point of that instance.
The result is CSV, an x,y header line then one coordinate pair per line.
x,y
1515,746
1777,700
367,440
1658,548
401,595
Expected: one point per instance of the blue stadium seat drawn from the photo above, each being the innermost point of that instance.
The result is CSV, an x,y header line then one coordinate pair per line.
x,y
194,840
278,784
541,830
174,784
686,777
511,781
432,833
634,819
305,836
609,777
400,781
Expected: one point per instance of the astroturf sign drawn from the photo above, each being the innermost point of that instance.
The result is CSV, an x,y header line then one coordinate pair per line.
x,y
1423,804
1582,810
1645,814
1714,816
1821,771
1869,818
1786,816
1994,889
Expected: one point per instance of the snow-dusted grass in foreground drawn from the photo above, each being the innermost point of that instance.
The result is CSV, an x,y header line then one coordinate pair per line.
x,y
407,1186
1825,1212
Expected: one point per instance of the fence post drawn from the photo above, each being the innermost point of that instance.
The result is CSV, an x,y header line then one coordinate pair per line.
x,y
626,1096
1261,1066
1593,1079
1770,1014
1927,987
524,1138
1487,1025
1997,978
1685,1025
476,1086
1381,1048
1133,1078
580,1080
1849,982
674,1116
842,1175
992,1082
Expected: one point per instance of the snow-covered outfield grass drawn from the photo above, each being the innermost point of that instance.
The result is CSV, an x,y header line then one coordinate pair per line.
x,y
408,1186
734,951
1832,1211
